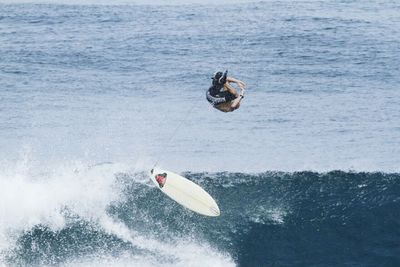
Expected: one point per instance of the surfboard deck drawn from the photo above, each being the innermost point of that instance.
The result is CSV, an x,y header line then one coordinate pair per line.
x,y
185,192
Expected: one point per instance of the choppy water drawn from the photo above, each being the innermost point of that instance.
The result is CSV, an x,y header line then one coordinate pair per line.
x,y
305,172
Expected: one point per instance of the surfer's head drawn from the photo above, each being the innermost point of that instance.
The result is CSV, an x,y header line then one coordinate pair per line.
x,y
220,77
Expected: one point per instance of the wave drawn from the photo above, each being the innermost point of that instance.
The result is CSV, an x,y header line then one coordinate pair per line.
x,y
83,215
111,214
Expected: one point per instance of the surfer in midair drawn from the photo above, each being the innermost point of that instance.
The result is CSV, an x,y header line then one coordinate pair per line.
x,y
222,95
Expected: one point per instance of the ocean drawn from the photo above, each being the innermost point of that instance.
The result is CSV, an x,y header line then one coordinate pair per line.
x,y
306,172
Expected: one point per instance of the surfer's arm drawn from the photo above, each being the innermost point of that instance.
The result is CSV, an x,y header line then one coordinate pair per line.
x,y
241,84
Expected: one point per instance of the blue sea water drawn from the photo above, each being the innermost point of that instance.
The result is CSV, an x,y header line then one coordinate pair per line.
x,y
306,172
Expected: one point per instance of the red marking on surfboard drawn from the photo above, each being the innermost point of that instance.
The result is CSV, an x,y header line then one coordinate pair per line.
x,y
161,179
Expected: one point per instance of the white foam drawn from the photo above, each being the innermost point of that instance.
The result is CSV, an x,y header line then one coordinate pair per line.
x,y
29,198
182,253
178,252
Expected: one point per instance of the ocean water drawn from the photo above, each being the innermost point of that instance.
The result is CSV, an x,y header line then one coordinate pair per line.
x,y
306,172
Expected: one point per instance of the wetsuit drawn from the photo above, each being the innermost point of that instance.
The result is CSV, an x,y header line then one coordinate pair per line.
x,y
216,94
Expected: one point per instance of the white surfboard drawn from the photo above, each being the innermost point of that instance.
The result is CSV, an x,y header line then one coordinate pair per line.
x,y
185,192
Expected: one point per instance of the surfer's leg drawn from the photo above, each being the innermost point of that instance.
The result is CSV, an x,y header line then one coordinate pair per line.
x,y
225,107
232,97
231,105
235,104
232,101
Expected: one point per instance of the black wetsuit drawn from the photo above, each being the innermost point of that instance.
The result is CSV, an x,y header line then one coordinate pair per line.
x,y
216,94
